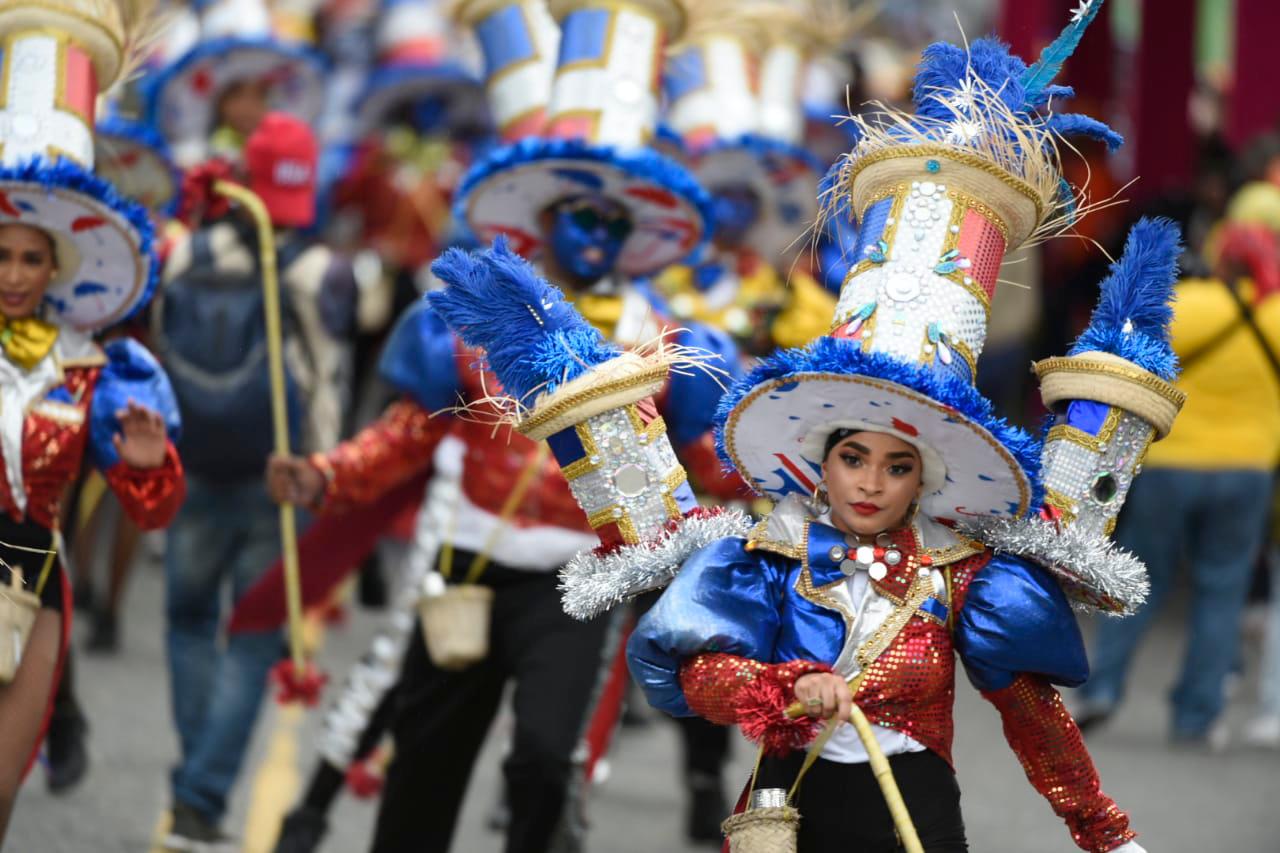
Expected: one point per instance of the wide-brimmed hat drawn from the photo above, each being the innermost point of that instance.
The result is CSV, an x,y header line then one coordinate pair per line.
x,y
237,43
591,134
58,57
133,157
419,62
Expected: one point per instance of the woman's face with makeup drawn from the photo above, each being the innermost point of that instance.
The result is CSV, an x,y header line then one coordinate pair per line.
x,y
872,479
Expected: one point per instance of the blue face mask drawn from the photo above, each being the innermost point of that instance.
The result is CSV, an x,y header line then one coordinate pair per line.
x,y
736,210
586,238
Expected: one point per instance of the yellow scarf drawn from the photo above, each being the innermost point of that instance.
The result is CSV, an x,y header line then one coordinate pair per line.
x,y
26,340
600,310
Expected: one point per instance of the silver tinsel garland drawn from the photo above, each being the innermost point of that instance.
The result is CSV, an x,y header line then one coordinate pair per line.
x,y
591,584
1082,561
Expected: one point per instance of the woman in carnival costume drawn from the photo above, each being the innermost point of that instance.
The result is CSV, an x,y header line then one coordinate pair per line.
x,y
902,531
74,258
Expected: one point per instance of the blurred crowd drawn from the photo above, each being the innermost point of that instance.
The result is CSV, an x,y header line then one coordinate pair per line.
x,y
356,123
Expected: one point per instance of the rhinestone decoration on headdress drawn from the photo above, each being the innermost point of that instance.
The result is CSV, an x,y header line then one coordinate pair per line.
x,y
1111,397
593,405
943,193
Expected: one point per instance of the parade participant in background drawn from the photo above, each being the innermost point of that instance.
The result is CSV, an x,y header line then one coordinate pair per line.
x,y
75,257
595,207
419,118
212,96
134,159
208,327
1211,483
733,92
887,465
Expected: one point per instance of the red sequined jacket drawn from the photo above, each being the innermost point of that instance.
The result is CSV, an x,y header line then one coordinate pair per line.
x,y
771,612
75,412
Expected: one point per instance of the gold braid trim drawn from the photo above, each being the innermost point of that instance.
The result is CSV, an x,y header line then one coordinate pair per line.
x,y
1082,364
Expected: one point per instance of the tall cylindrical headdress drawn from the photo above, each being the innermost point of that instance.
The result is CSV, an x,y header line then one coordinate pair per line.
x,y
520,41
593,404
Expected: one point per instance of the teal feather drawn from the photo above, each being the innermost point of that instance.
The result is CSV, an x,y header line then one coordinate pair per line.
x,y
1036,79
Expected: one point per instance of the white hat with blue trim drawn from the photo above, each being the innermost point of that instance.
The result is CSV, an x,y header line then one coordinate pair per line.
x,y
58,56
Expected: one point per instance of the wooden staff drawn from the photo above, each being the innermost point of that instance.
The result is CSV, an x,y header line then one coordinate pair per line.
x,y
880,769
279,410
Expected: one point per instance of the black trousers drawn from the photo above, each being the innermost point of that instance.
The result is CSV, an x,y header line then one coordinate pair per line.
x,y
842,809
441,719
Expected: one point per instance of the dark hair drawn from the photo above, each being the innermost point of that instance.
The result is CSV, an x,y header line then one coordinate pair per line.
x,y
835,438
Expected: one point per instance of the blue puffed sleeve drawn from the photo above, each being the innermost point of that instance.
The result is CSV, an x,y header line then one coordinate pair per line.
x,y
1016,619
420,359
692,395
131,373
725,599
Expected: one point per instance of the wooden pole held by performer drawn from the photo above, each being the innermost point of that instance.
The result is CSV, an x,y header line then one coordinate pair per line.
x,y
279,410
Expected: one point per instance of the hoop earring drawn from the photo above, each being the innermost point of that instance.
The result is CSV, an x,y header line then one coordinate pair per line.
x,y
820,503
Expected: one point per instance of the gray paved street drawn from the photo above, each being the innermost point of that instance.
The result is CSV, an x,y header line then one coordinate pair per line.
x,y
1181,801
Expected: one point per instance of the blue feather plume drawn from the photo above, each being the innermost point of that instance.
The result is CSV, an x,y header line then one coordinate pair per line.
x,y
1076,124
947,72
1135,307
534,340
1035,81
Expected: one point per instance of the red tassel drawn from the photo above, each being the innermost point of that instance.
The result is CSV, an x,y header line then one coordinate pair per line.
x,y
293,686
199,201
762,714
364,778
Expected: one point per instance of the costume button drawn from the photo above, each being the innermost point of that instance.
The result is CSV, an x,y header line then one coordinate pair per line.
x,y
877,571
836,554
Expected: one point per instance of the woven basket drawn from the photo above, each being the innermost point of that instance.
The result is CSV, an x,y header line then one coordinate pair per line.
x,y
455,625
766,830
18,610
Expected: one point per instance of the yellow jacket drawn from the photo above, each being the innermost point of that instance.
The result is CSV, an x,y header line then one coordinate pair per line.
x,y
1232,415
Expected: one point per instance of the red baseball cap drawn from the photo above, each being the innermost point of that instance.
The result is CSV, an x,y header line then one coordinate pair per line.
x,y
281,156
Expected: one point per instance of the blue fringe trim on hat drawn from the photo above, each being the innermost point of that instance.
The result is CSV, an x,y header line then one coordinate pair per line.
x,y
140,133
64,174
533,339
642,164
387,77
1134,309
764,147
154,85
833,355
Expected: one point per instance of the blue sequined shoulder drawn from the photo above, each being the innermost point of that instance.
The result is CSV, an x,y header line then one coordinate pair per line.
x,y
131,373
1016,619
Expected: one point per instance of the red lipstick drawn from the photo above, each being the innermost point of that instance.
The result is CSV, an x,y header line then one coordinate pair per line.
x,y
865,508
